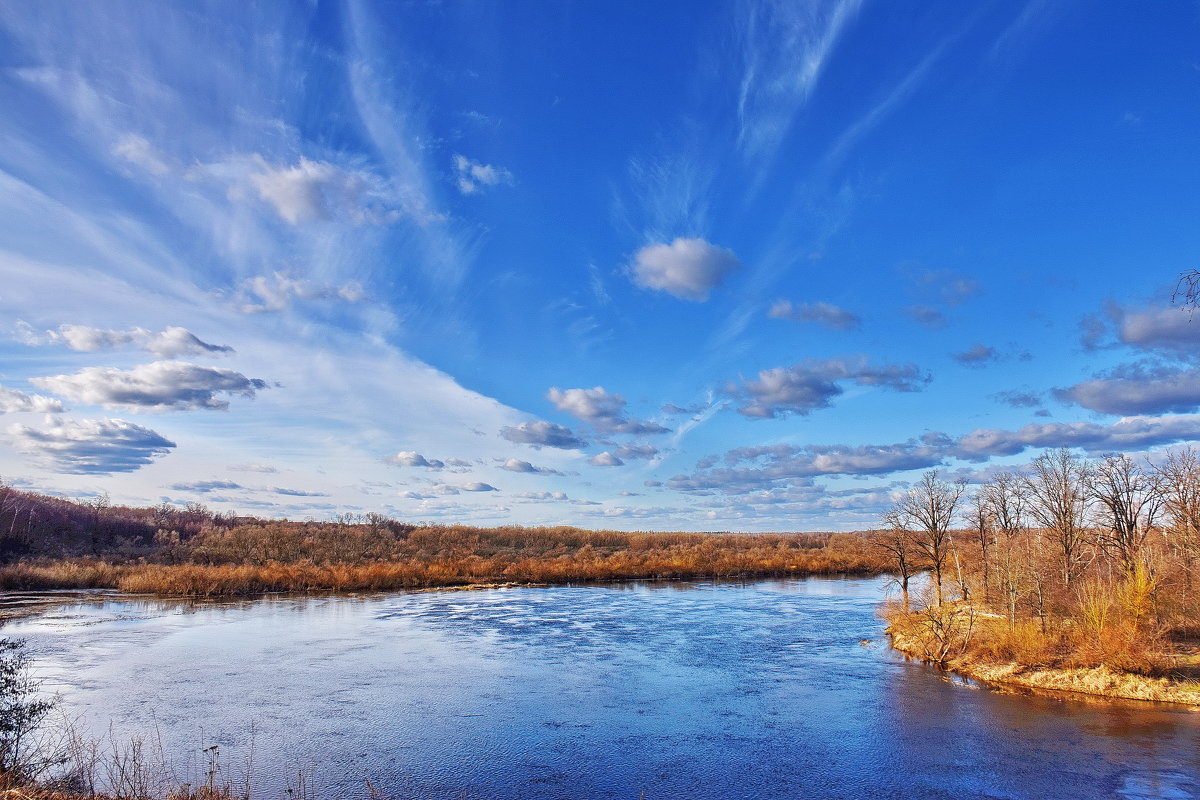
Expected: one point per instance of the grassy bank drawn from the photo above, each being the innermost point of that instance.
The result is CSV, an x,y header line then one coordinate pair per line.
x,y
984,647
56,544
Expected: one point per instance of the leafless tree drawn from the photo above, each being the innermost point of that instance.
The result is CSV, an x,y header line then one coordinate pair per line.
x,y
897,543
1179,482
1187,289
927,510
1059,499
1008,506
982,517
1129,500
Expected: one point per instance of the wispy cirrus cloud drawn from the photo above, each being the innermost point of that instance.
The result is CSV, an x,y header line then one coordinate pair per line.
x,y
278,291
785,48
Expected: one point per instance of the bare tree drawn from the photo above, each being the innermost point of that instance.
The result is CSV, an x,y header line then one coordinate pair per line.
x,y
1179,482
1188,289
1008,505
897,543
1129,499
982,517
927,510
1058,494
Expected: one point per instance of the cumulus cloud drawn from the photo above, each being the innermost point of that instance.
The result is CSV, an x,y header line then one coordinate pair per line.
x,y
517,465
604,410
409,458
1128,434
605,459
826,314
1163,330
813,384
687,268
170,342
13,401
544,496
451,489
473,176
297,492
204,487
976,356
543,434
1019,399
641,451
89,446
278,291
1140,388
158,386
751,469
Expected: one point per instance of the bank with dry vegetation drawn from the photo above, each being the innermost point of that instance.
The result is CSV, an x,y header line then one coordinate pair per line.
x,y
1072,575
50,543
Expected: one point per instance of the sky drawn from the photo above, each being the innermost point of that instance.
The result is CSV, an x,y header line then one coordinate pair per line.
x,y
750,266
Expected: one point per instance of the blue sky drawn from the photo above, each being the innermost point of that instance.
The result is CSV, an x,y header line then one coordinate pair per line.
x,y
709,266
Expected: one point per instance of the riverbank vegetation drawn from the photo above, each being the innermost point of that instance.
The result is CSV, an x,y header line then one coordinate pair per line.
x,y
1072,574
53,543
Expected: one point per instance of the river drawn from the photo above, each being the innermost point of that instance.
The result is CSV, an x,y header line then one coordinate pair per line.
x,y
774,689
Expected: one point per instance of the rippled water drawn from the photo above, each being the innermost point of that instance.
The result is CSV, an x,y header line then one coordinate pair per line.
x,y
760,690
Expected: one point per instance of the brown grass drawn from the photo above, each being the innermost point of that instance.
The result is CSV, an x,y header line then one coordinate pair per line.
x,y
289,557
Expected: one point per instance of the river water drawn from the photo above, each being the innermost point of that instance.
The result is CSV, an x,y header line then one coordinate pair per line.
x,y
779,689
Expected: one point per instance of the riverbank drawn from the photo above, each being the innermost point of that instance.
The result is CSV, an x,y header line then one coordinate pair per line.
x,y
912,638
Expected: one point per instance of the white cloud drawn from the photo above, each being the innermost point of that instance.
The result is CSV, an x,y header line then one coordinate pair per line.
x,y
136,150
1141,388
812,384
312,191
786,45
13,401
170,342
643,451
543,434
473,176
204,487
605,459
159,385
277,291
687,268
603,409
517,465
409,458
90,446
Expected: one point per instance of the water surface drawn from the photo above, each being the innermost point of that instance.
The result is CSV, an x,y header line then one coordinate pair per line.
x,y
701,690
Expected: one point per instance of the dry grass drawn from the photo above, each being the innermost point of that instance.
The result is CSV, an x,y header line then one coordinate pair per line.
x,y
309,558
